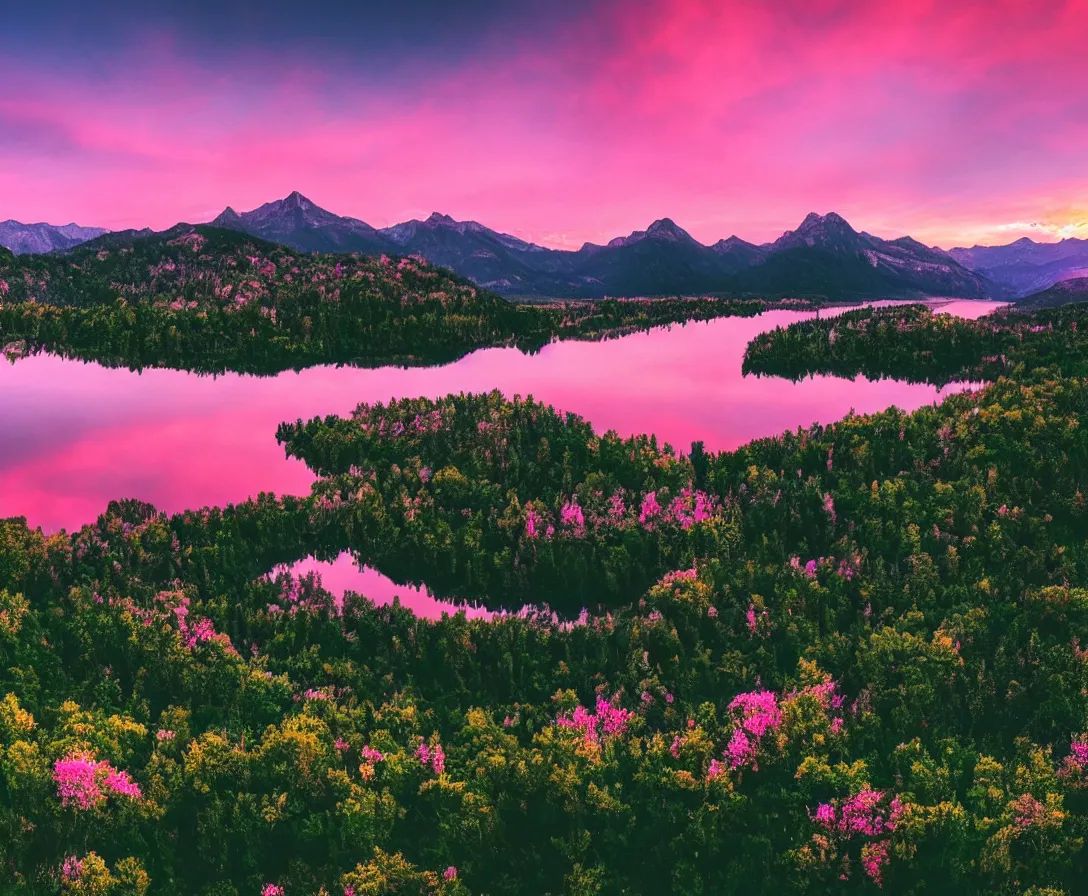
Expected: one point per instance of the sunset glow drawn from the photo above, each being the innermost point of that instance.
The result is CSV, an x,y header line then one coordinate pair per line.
x,y
956,124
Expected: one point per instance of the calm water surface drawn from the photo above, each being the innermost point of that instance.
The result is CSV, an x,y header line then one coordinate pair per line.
x,y
74,435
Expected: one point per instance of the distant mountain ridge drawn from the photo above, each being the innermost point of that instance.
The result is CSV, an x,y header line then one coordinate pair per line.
x,y
27,239
824,256
1064,292
1025,266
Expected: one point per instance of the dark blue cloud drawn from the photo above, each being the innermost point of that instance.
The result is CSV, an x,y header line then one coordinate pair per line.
x,y
367,35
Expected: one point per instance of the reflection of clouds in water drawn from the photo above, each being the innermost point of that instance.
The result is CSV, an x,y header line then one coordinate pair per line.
x,y
73,436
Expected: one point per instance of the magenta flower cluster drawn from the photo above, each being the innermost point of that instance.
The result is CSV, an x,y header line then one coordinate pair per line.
x,y
608,720
867,813
200,632
434,757
756,713
686,510
72,868
572,517
85,783
1075,765
680,575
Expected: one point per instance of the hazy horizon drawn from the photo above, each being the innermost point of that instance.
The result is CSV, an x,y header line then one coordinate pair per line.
x,y
1036,237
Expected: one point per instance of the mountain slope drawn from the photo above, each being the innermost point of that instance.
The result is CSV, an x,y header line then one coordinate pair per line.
x,y
297,222
1062,293
664,259
493,260
1025,266
23,239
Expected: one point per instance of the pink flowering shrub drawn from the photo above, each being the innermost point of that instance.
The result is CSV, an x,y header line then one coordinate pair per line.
x,y
572,516
680,575
874,856
764,720
84,783
1074,768
532,523
756,714
650,509
72,868
1028,811
868,816
431,757
607,722
200,632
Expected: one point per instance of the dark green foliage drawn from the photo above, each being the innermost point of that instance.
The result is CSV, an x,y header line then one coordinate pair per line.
x,y
906,592
909,342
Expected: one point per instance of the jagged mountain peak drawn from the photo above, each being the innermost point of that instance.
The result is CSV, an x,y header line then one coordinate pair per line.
x,y
296,200
829,218
294,207
227,215
830,231
662,230
831,222
664,225
732,242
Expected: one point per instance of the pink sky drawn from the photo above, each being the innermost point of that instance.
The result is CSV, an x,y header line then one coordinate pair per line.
x,y
955,122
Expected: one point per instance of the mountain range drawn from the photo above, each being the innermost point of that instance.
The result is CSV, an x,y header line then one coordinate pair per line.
x,y
25,239
824,256
1026,266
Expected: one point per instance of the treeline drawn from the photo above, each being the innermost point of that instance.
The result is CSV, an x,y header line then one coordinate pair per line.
x,y
912,343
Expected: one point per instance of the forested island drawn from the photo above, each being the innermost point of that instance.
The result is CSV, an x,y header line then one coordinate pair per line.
x,y
847,658
910,342
211,300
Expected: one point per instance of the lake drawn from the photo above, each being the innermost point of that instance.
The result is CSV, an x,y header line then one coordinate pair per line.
x,y
75,435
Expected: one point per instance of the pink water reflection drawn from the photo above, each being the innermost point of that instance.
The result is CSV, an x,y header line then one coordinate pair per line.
x,y
74,436
341,575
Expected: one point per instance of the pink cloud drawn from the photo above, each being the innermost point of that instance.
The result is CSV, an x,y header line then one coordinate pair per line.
x,y
728,117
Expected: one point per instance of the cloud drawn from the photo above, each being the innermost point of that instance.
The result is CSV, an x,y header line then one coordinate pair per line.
x,y
730,117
